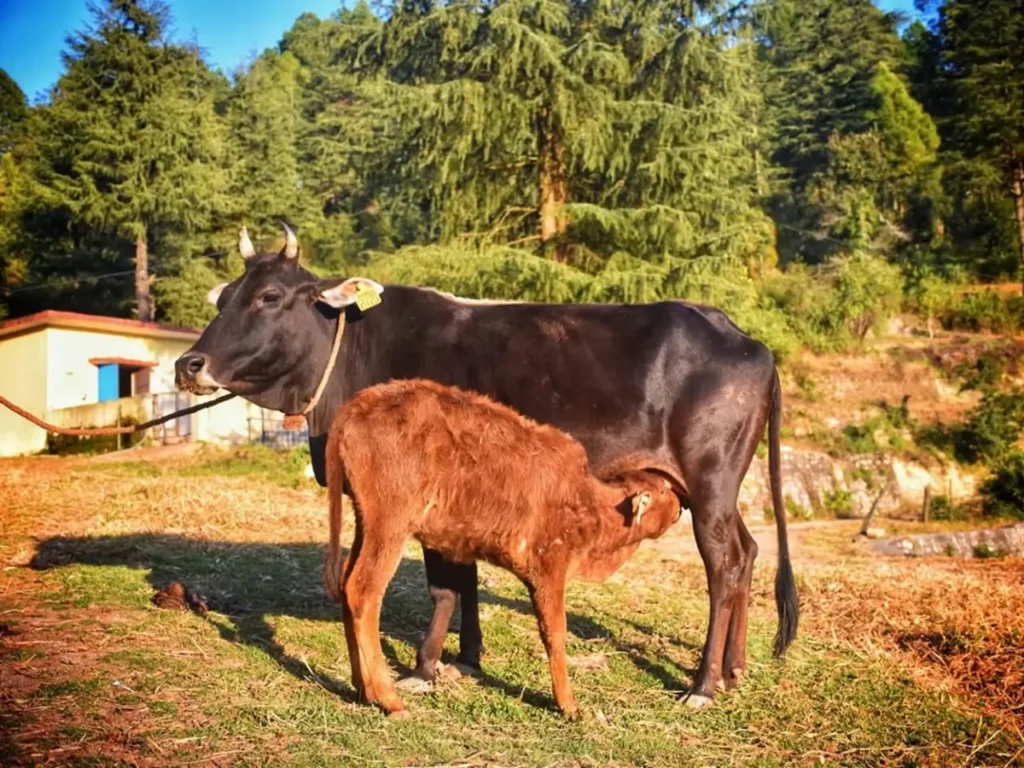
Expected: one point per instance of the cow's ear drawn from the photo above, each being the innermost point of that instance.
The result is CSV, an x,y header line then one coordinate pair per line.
x,y
340,293
215,293
640,504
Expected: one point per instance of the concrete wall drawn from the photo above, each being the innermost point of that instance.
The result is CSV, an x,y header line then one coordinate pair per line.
x,y
73,380
23,382
227,423
47,372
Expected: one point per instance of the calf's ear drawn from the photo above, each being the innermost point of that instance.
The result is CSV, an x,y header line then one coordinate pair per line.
x,y
640,504
339,293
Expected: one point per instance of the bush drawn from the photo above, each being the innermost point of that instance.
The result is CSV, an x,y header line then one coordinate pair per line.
x,y
868,291
985,311
850,297
67,445
992,427
931,294
839,503
1003,492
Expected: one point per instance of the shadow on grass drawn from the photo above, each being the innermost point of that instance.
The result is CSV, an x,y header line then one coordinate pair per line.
x,y
248,582
586,628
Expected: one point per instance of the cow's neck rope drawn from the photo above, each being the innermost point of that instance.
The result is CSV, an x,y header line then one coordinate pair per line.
x,y
330,365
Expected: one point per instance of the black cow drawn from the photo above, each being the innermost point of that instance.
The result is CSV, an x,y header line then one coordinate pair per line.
x,y
670,387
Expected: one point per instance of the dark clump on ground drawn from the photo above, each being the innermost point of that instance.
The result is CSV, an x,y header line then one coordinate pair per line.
x,y
177,597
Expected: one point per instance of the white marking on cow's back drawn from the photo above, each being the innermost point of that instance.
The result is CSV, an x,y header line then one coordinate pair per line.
x,y
473,302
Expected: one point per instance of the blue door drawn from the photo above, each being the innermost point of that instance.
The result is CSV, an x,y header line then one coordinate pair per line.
x,y
108,382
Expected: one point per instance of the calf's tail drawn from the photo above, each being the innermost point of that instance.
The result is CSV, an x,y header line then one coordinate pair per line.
x,y
785,586
335,564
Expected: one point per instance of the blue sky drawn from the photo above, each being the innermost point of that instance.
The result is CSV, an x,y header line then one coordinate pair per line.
x,y
230,31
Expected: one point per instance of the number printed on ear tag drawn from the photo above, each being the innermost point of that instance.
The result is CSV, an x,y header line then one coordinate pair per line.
x,y
366,298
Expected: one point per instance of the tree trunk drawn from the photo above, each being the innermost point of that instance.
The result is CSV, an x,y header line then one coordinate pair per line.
x,y
1018,207
143,301
552,187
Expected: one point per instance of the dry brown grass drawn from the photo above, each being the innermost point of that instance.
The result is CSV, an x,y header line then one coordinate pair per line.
x,y
958,624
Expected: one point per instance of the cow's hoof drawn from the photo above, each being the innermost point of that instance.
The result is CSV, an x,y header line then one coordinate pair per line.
x,y
734,677
458,669
696,701
414,685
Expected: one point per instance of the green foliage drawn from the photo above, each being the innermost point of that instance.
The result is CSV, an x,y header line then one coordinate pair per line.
x,y
988,432
984,311
128,149
537,150
69,445
13,109
838,502
881,432
1003,492
969,73
797,511
851,297
985,551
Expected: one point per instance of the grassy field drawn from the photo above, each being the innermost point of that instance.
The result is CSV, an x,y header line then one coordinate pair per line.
x,y
898,662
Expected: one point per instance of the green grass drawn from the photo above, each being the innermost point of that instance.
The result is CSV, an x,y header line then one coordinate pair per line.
x,y
274,678
264,678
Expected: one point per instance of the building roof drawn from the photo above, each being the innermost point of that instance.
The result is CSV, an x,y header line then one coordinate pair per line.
x,y
121,326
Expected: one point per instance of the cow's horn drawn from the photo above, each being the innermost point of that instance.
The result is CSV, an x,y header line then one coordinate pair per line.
x,y
291,245
245,244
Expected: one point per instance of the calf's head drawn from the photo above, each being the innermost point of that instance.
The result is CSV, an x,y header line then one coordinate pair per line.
x,y
650,505
271,339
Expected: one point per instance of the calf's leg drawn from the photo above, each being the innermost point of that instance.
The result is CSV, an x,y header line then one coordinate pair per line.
x,y
549,604
346,614
365,583
447,580
429,654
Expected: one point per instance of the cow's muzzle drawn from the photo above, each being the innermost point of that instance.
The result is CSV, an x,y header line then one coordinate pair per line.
x,y
192,374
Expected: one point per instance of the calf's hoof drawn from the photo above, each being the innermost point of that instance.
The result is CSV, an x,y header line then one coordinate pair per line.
x,y
697,701
414,685
572,712
399,714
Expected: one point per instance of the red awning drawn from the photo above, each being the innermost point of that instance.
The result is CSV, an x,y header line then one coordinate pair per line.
x,y
122,361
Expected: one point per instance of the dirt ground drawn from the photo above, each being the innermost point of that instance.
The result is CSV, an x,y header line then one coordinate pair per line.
x,y
899,661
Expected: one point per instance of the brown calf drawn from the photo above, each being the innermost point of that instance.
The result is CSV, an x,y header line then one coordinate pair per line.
x,y
473,480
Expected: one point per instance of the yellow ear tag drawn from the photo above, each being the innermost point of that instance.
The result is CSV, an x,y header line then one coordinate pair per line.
x,y
366,298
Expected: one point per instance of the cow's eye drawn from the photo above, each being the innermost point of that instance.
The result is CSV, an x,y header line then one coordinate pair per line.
x,y
270,299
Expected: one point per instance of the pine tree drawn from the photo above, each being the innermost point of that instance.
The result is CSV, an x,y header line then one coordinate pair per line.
x,y
129,144
583,129
13,110
982,76
840,120
265,122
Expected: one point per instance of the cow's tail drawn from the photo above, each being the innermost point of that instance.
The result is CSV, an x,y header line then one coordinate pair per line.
x,y
335,564
785,585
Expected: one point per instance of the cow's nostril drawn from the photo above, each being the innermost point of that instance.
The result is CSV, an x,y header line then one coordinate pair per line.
x,y
195,364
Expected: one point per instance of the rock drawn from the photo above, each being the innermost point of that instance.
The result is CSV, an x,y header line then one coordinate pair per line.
x,y
986,542
875,533
813,480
